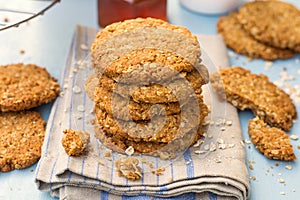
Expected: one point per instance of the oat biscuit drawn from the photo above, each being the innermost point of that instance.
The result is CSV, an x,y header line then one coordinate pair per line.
x,y
75,142
163,150
137,111
242,42
129,168
25,86
275,23
157,130
116,144
167,92
148,65
251,91
22,136
120,38
272,142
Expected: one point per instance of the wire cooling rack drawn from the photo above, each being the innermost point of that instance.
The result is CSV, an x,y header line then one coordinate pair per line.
x,y
15,12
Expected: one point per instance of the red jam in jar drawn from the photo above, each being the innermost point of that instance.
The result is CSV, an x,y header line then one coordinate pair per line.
x,y
110,11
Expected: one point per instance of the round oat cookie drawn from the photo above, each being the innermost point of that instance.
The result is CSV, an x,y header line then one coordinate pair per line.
x,y
164,150
181,89
148,65
22,136
274,23
137,111
25,86
255,91
120,38
132,24
159,129
242,42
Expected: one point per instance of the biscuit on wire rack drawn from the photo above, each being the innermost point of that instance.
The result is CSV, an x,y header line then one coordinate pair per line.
x,y
272,142
25,86
245,90
239,40
22,136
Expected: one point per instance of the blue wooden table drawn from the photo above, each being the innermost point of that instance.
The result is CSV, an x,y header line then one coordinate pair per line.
x,y
46,41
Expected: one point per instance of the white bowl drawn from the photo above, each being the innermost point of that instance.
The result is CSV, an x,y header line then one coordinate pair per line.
x,y
211,6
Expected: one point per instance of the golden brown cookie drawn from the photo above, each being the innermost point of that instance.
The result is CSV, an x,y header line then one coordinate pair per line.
x,y
173,91
163,150
275,23
161,129
137,111
120,38
132,24
242,42
75,142
25,86
149,65
22,136
272,142
251,91
116,144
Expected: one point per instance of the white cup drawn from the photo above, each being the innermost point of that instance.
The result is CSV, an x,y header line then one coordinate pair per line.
x,y
213,7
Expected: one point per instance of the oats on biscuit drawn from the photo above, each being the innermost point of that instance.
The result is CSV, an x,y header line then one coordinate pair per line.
x,y
22,136
242,42
275,23
25,86
272,142
251,91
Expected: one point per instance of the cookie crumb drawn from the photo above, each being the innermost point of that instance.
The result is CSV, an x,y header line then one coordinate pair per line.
x,y
75,142
251,166
129,151
294,137
80,108
281,180
159,171
129,168
22,51
289,167
101,163
108,153
282,193
76,89
84,47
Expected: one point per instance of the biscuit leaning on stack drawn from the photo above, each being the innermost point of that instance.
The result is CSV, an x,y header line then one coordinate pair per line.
x,y
147,87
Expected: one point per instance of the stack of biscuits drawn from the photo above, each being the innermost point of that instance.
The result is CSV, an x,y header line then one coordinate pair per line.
x,y
147,87
262,29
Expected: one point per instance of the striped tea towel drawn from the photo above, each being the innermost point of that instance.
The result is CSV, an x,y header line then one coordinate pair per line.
x,y
219,174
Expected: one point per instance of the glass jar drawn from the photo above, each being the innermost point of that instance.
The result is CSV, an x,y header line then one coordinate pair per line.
x,y
110,11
